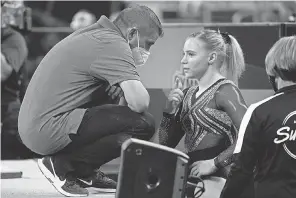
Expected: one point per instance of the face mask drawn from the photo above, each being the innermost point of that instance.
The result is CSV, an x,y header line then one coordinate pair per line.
x,y
273,83
140,54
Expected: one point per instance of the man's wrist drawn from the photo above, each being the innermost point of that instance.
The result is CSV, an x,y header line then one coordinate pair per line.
x,y
122,101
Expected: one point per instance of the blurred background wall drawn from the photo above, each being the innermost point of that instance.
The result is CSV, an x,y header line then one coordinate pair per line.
x,y
58,15
256,25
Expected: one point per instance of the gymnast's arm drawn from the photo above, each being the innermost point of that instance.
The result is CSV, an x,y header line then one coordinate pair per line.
x,y
230,100
170,131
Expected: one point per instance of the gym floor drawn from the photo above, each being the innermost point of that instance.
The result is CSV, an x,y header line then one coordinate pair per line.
x,y
32,184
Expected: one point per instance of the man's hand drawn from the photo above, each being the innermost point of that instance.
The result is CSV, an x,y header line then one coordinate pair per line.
x,y
114,92
203,168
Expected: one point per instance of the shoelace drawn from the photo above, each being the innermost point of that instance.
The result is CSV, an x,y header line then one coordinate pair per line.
x,y
102,175
72,183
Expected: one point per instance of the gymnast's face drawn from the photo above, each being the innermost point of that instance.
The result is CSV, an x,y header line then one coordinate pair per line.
x,y
195,58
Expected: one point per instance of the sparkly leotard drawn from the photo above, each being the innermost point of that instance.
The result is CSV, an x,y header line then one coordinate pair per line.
x,y
209,132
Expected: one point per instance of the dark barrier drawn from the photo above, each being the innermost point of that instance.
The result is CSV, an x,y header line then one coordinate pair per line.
x,y
288,29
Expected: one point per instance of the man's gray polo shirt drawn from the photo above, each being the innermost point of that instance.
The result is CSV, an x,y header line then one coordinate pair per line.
x,y
67,78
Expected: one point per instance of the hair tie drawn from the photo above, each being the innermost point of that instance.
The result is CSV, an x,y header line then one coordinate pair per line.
x,y
226,37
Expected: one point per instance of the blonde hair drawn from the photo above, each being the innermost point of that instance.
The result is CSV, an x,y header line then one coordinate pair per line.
x,y
230,52
281,55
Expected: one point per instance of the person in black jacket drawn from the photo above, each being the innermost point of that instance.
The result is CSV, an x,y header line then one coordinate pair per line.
x,y
266,147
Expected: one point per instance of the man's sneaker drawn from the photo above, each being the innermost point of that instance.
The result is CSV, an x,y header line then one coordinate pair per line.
x,y
99,181
66,186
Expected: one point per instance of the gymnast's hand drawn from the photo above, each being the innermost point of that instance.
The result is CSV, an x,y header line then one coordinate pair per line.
x,y
203,168
175,98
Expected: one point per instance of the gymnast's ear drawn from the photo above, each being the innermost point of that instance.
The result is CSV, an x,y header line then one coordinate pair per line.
x,y
212,58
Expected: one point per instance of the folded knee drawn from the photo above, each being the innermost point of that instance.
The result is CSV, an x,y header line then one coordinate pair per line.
x,y
148,125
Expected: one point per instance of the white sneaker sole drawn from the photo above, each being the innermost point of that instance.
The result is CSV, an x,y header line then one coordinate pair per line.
x,y
105,190
55,181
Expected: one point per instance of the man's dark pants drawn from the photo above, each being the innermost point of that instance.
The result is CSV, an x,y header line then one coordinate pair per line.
x,y
100,136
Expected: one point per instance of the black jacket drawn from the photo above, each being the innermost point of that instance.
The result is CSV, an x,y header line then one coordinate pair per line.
x,y
266,148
